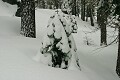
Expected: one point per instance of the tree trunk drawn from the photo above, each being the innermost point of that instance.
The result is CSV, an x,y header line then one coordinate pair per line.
x,y
83,10
28,18
89,13
102,15
56,2
117,12
102,24
43,4
103,34
118,58
91,17
74,12
98,16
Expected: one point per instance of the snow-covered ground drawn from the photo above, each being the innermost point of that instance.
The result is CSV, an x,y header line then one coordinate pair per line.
x,y
7,9
17,52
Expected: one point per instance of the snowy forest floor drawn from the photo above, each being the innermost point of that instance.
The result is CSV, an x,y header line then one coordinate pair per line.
x,y
17,52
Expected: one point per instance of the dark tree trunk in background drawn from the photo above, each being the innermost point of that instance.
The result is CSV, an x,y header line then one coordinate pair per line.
x,y
74,10
56,2
102,24
83,10
77,8
103,33
102,15
117,12
118,58
43,4
91,17
89,13
28,18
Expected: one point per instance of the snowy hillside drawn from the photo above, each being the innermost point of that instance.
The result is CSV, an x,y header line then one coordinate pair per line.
x,y
16,55
17,52
7,9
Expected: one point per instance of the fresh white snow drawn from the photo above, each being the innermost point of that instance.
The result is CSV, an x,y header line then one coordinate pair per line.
x,y
7,9
18,60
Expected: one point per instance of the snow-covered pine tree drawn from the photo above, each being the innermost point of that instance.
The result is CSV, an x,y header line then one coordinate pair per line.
x,y
58,44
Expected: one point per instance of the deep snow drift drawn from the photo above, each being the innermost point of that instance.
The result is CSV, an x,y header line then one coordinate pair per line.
x,y
17,52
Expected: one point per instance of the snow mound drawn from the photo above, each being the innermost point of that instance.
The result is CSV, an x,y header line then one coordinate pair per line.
x,y
7,9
